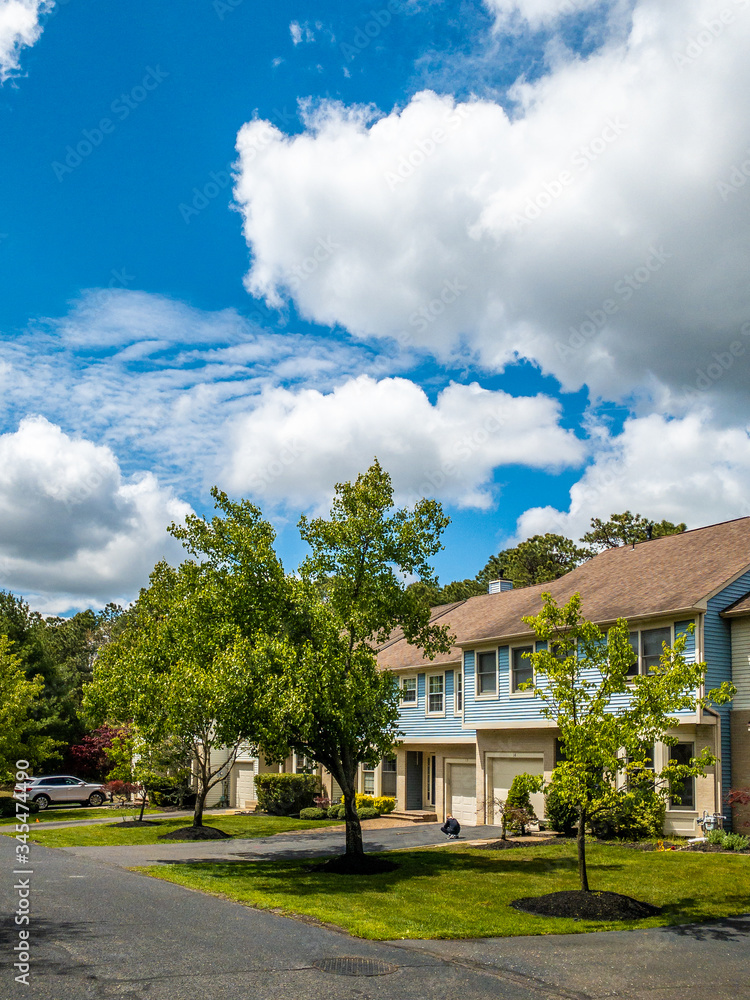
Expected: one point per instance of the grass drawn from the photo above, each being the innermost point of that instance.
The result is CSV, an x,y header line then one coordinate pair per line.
x,y
54,815
102,835
457,892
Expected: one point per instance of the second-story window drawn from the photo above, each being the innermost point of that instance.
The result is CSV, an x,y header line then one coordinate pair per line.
x,y
647,646
409,691
521,670
458,692
436,695
487,673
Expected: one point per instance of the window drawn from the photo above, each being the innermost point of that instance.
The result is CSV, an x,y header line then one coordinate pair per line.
x,y
647,648
522,670
388,777
685,790
458,691
642,777
368,779
487,673
559,751
303,765
409,691
435,694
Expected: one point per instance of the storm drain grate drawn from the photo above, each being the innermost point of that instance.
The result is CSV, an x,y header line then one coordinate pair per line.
x,y
355,967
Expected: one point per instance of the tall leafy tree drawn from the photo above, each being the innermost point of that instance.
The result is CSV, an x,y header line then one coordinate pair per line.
x,y
22,737
625,529
577,676
169,672
328,700
542,558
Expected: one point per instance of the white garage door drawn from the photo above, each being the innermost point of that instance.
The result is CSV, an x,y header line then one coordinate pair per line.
x,y
504,770
462,793
245,786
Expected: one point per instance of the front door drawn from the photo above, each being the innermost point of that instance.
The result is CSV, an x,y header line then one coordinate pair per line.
x,y
413,779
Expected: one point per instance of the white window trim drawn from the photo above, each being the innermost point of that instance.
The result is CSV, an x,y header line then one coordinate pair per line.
x,y
409,704
427,712
649,628
458,677
511,692
487,695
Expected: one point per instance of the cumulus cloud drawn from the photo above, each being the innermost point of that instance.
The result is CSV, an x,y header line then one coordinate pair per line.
x,y
295,445
19,28
538,13
596,225
685,469
73,530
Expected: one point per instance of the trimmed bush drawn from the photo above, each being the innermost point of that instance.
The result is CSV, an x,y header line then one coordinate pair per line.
x,y
286,794
631,817
363,801
170,791
336,811
368,812
384,804
313,813
8,808
518,809
561,816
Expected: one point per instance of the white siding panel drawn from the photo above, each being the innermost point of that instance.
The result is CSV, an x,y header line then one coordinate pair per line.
x,y
741,661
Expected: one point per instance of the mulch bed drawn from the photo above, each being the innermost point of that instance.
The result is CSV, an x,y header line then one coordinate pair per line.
x,y
586,906
129,823
344,865
196,833
502,845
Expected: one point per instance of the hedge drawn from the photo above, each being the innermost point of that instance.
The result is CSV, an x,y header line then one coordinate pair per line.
x,y
286,794
313,813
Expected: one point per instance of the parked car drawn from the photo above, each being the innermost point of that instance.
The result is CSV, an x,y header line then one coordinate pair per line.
x,y
62,788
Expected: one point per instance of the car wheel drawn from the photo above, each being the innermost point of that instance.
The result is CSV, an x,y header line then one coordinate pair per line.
x,y
96,799
42,801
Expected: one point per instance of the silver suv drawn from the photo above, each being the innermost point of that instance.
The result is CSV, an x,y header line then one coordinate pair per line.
x,y
61,789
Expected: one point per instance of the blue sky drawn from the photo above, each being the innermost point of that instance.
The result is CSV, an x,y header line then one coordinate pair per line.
x,y
502,244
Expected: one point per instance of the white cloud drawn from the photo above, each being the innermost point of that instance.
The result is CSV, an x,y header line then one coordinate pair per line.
x,y
301,32
294,446
538,13
19,28
586,223
687,469
73,530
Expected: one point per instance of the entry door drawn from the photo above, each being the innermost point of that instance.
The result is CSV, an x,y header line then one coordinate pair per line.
x,y
245,785
413,779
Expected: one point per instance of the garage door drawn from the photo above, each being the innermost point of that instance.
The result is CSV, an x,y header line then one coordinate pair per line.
x,y
462,793
245,786
504,770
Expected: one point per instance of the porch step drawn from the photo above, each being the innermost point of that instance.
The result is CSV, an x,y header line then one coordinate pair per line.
x,y
414,815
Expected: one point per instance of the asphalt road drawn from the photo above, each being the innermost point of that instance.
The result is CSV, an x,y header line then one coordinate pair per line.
x,y
98,931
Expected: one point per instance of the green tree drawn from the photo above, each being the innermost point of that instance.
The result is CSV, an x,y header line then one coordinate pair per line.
x,y
577,677
170,672
329,701
625,529
21,736
496,568
542,558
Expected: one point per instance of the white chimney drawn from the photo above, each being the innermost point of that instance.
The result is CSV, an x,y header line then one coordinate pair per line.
x,y
498,586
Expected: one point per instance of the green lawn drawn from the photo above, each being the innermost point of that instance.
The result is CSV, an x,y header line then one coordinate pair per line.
x,y
59,815
101,834
456,892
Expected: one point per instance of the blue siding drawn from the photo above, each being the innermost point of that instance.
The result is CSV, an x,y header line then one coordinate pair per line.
x,y
413,721
718,653
502,707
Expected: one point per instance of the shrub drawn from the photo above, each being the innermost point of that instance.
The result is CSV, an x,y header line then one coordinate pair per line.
x,y
368,812
734,842
169,791
313,813
715,837
286,794
322,801
366,801
631,817
8,808
561,815
518,809
384,804
336,811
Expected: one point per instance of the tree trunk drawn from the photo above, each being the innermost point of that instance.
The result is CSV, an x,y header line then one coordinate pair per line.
x,y
143,803
582,849
200,801
354,846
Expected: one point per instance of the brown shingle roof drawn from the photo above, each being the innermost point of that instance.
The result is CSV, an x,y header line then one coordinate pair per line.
x,y
674,573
